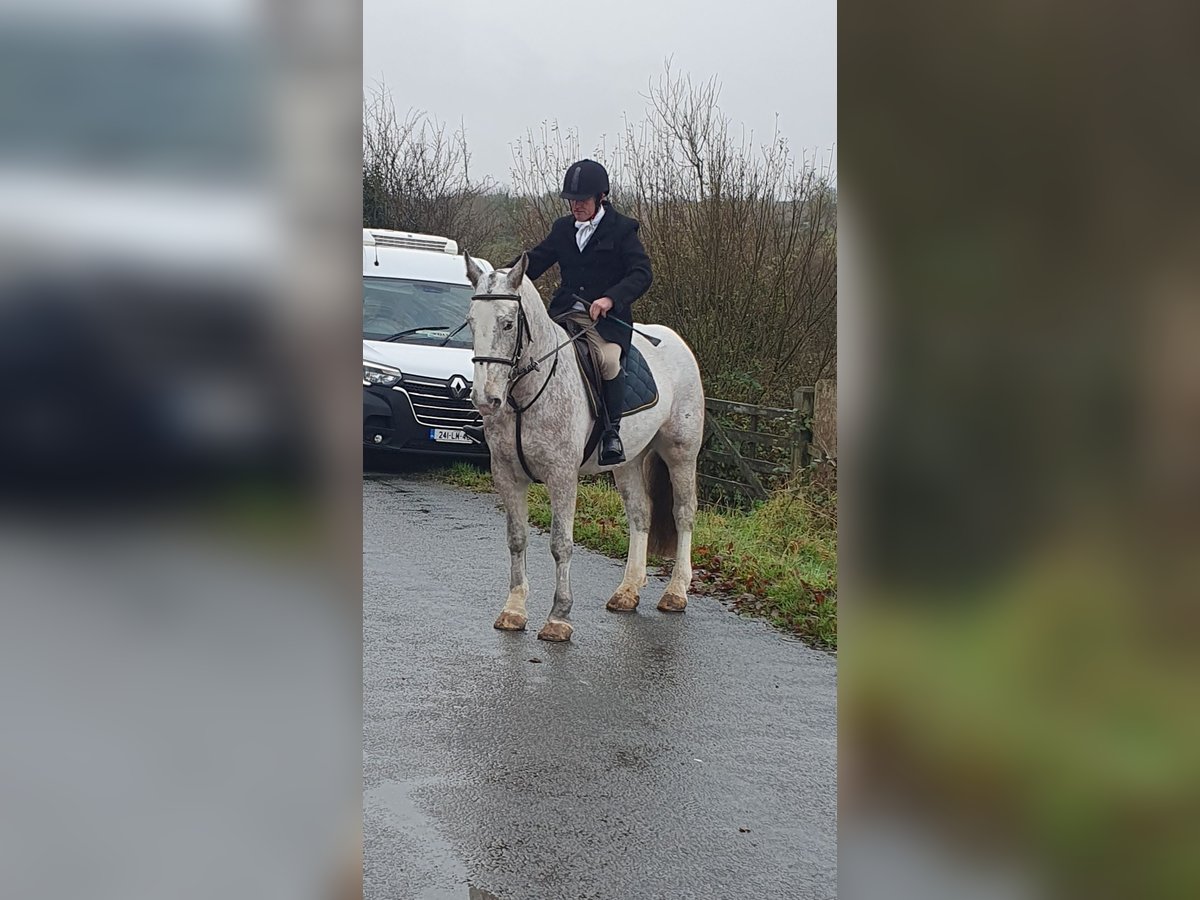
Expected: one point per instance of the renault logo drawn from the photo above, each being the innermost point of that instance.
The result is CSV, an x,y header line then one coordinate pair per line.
x,y
459,387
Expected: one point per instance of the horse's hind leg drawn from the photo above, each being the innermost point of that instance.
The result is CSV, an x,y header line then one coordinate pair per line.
x,y
631,484
682,466
516,507
563,494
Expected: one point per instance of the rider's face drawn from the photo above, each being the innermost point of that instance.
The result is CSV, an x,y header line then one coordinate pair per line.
x,y
583,210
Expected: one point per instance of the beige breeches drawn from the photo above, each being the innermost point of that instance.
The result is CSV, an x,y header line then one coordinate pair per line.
x,y
607,352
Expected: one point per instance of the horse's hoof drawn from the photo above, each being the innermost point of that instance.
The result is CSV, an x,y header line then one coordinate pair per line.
x,y
511,621
624,600
556,631
672,603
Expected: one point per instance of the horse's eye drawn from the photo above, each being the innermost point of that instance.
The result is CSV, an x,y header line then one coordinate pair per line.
x,y
508,326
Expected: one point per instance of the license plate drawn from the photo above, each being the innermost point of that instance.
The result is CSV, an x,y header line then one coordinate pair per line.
x,y
449,436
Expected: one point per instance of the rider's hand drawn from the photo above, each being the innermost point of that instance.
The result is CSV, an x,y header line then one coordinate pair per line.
x,y
600,308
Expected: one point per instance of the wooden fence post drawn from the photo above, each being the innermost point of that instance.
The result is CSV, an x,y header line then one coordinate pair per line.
x,y
802,403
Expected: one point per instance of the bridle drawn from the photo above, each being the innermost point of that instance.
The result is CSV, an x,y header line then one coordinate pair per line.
x,y
522,331
519,371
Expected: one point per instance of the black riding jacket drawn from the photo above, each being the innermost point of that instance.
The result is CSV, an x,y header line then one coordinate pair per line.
x,y
612,264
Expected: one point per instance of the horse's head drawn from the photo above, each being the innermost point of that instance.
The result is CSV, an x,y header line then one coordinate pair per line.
x,y
500,333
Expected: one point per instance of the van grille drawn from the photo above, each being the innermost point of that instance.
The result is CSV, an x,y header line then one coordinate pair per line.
x,y
436,407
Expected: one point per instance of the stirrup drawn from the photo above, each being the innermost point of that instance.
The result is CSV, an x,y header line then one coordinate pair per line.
x,y
611,456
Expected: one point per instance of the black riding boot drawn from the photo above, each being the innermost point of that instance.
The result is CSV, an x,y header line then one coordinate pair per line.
x,y
611,451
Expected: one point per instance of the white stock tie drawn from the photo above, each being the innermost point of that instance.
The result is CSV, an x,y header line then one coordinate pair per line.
x,y
584,230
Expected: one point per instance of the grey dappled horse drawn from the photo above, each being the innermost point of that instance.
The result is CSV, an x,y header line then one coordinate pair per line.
x,y
549,404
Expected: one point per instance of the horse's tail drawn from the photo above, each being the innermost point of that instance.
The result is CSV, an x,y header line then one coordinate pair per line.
x,y
663,535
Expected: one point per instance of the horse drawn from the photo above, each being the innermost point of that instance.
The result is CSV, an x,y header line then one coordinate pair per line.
x,y
537,421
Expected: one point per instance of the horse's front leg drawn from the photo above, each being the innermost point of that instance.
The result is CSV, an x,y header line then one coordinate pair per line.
x,y
563,492
516,506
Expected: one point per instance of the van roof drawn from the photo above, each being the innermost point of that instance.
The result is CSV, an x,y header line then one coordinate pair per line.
x,y
403,254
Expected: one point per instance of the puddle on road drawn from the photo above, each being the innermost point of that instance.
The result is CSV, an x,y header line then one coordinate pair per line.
x,y
401,811
399,808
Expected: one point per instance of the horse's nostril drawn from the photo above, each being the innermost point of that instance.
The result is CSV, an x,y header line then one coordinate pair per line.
x,y
488,404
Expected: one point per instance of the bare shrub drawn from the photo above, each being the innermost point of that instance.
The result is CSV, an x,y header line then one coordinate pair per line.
x,y
416,177
743,238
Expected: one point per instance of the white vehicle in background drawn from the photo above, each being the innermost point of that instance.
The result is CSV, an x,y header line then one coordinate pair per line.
x,y
416,372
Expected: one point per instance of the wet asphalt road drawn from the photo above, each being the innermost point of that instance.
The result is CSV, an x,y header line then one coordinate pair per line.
x,y
654,756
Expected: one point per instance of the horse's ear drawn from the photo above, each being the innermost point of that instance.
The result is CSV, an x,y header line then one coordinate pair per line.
x,y
474,273
516,275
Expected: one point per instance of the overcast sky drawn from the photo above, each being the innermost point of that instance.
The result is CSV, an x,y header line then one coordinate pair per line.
x,y
505,67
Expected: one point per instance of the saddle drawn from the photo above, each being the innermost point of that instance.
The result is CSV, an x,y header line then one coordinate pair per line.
x,y
641,391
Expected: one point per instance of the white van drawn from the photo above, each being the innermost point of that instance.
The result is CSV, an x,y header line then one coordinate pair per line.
x,y
416,373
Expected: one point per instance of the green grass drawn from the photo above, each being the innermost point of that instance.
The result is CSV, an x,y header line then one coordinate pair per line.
x,y
778,560
599,516
468,475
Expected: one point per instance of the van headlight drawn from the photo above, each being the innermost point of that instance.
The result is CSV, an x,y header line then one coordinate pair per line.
x,y
384,376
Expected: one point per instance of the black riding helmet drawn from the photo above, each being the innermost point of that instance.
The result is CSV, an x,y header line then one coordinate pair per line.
x,y
586,178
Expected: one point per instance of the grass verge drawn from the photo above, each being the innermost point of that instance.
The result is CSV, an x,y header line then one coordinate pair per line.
x,y
777,560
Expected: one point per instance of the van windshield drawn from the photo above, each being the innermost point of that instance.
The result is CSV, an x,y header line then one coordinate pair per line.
x,y
394,305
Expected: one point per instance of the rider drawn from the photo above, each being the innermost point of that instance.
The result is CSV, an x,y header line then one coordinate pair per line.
x,y
604,268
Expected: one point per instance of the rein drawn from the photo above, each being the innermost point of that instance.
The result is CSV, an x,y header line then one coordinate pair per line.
x,y
532,366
